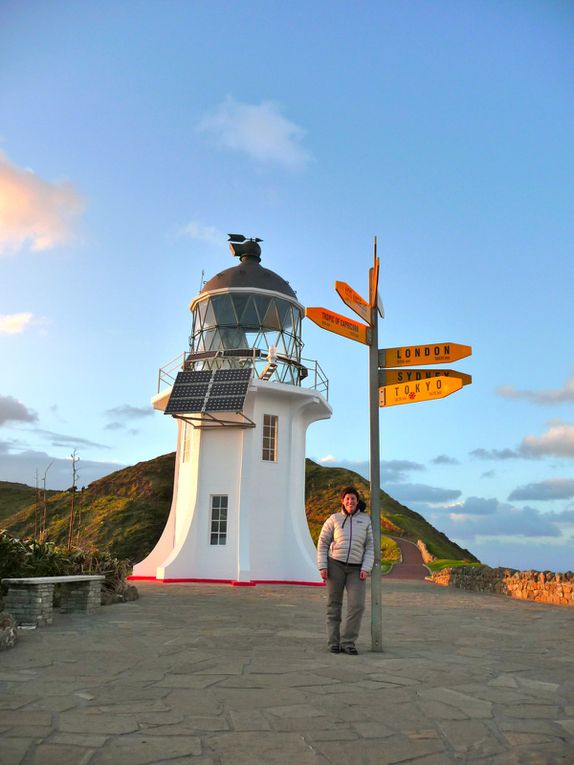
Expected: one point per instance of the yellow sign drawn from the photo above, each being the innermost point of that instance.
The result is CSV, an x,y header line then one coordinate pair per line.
x,y
424,390
355,302
394,376
338,324
411,355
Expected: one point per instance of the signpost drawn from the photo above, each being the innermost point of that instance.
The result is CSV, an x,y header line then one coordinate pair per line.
x,y
411,355
389,387
354,301
392,376
340,325
424,390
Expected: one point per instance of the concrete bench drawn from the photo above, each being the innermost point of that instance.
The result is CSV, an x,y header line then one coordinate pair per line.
x,y
30,600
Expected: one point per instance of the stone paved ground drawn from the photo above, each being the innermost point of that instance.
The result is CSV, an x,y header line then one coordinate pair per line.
x,y
216,675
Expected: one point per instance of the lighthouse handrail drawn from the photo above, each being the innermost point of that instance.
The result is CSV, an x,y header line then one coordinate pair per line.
x,y
316,379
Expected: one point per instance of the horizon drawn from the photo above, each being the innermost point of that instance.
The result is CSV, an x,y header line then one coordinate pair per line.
x,y
446,130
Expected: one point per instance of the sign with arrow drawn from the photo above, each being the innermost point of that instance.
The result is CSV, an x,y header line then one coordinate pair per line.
x,y
424,390
411,355
394,376
338,324
355,302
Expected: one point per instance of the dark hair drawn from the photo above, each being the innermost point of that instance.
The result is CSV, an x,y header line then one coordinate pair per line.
x,y
349,490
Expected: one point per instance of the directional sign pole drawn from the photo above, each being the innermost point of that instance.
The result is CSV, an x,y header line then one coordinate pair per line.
x,y
375,468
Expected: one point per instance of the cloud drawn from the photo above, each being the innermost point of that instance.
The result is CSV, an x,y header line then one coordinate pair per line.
x,y
526,554
125,414
206,234
12,410
502,520
553,488
391,470
128,412
60,439
418,492
496,454
260,131
20,467
14,323
35,213
556,396
443,459
488,474
557,441
478,506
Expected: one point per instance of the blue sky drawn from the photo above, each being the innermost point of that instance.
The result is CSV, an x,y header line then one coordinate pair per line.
x,y
134,135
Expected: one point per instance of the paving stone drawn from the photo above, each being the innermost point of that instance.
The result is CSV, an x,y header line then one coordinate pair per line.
x,y
471,706
190,681
249,720
85,721
14,750
14,702
60,754
32,732
568,725
92,741
385,751
527,711
470,737
140,749
263,747
368,729
16,717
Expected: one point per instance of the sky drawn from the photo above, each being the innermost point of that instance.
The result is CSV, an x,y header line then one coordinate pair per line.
x,y
135,135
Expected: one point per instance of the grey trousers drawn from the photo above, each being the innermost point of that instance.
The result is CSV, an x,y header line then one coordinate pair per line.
x,y
342,577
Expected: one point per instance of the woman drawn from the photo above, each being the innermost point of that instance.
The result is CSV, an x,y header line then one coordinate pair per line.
x,y
345,557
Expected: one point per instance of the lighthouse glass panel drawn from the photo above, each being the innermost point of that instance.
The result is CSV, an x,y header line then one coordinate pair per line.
x,y
218,530
252,322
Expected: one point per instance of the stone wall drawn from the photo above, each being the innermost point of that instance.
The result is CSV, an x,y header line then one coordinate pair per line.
x,y
427,557
540,586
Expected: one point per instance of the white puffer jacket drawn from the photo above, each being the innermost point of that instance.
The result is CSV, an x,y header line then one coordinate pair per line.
x,y
348,539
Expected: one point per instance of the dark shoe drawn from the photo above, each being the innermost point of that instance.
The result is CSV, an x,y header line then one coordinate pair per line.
x,y
335,648
350,650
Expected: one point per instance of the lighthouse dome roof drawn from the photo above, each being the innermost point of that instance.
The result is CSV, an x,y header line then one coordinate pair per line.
x,y
251,275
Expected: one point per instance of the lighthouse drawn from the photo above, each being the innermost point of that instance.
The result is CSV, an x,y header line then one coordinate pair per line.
x,y
243,397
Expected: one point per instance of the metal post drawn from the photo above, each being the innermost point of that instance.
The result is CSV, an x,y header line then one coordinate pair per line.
x,y
375,476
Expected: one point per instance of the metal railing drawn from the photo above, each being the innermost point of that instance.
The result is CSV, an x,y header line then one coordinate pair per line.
x,y
308,372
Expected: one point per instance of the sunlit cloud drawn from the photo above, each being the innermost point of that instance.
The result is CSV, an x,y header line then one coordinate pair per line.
x,y
258,130
558,441
14,323
205,234
329,458
34,213
550,396
553,488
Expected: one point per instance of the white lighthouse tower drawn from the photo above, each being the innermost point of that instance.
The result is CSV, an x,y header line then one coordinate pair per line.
x,y
243,400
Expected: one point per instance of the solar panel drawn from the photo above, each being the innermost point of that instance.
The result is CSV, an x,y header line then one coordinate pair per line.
x,y
225,404
180,405
222,390
232,375
193,378
229,388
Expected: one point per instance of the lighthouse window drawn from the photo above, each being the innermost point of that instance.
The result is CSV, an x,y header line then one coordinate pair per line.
x,y
219,507
270,437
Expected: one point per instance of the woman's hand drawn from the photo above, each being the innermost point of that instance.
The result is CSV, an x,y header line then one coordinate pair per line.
x,y
364,574
323,573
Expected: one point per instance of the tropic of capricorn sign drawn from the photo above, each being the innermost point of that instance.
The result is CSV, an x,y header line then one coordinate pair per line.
x,y
389,387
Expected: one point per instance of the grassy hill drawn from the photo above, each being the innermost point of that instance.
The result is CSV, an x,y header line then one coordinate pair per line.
x,y
125,512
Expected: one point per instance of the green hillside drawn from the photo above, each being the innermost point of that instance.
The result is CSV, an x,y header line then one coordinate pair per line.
x,y
125,512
